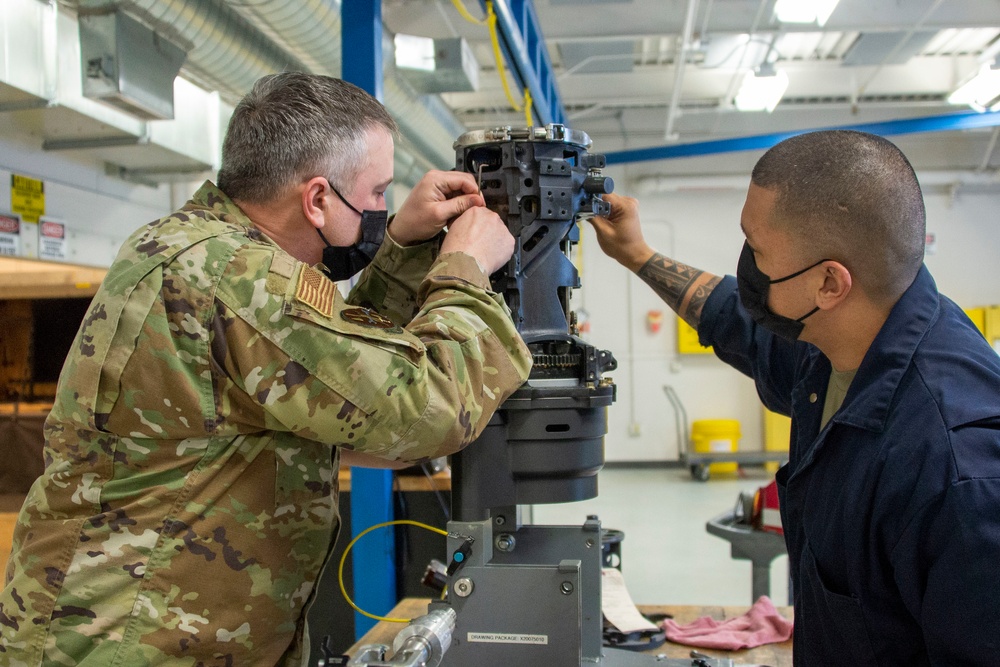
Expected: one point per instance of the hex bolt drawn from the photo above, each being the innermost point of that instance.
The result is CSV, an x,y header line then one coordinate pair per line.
x,y
590,544
505,542
566,587
463,587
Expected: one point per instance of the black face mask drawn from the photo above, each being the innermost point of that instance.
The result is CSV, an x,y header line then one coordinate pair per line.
x,y
342,262
754,286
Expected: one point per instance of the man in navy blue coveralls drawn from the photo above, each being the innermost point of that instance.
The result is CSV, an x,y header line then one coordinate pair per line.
x,y
890,500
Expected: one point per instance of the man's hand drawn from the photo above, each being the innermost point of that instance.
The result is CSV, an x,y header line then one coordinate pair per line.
x,y
619,234
439,198
481,233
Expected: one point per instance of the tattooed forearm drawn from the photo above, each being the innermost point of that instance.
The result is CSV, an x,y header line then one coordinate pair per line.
x,y
699,296
682,287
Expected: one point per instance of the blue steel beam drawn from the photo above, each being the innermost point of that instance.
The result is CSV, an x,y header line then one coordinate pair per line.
x,y
956,121
524,49
373,557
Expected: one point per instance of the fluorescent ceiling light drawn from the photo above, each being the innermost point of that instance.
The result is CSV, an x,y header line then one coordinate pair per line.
x,y
982,91
413,52
804,11
761,91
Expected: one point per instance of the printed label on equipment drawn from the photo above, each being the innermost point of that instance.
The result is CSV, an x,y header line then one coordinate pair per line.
x,y
506,638
720,445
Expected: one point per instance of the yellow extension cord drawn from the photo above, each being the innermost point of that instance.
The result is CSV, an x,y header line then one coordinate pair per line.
x,y
350,545
491,22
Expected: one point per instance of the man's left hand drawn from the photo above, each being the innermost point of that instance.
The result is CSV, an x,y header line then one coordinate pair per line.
x,y
439,197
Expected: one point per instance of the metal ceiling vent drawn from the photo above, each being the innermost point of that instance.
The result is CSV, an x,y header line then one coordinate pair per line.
x,y
128,66
437,65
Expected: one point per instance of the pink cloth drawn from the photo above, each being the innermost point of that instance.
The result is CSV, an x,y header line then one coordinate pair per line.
x,y
761,625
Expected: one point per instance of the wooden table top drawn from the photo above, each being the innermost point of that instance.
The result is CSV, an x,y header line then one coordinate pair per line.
x,y
25,409
773,655
440,481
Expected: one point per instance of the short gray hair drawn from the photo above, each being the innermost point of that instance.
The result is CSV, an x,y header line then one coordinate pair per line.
x,y
292,126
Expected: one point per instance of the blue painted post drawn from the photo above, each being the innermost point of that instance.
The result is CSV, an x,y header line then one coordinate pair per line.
x,y
371,489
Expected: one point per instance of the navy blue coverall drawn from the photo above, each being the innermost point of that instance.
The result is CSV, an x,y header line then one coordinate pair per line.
x,y
891,512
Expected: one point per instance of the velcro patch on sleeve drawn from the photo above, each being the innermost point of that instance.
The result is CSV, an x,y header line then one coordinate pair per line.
x,y
366,317
316,291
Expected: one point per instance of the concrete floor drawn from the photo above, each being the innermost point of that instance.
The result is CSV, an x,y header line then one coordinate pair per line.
x,y
667,555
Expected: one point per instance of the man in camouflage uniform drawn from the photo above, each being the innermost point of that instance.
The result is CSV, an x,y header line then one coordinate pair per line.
x,y
190,496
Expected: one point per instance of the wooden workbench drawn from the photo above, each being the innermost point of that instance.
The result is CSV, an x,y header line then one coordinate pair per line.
x,y
773,655
440,481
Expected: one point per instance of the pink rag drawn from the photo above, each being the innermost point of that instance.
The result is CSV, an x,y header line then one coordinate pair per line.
x,y
761,625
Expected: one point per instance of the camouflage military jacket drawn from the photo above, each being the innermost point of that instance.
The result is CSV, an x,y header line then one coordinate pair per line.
x,y
190,496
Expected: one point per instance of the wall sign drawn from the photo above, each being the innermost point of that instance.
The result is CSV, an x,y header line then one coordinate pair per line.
x,y
51,239
27,197
10,234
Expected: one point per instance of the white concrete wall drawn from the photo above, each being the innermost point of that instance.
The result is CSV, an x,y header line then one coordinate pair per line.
x,y
700,227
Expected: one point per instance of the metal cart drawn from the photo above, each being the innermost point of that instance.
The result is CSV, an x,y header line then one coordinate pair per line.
x,y
698,462
747,543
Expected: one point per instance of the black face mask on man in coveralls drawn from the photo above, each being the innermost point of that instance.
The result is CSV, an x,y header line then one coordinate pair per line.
x,y
754,285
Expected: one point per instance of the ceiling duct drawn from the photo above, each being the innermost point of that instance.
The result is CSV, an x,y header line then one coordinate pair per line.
x,y
127,65
225,54
443,65
310,31
235,44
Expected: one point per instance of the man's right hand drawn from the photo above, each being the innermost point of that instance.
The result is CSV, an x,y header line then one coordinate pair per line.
x,y
620,235
439,197
481,233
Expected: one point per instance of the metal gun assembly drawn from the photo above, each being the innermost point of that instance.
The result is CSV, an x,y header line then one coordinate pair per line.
x,y
525,594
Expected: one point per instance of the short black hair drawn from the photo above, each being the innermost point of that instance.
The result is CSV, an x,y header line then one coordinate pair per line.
x,y
853,197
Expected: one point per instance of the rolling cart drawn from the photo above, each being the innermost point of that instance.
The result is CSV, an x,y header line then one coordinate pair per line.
x,y
698,462
747,543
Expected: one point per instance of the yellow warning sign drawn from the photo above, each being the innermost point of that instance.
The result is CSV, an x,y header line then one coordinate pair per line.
x,y
687,339
27,197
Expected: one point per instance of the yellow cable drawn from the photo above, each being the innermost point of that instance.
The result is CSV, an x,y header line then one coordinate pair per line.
x,y
350,545
465,13
491,21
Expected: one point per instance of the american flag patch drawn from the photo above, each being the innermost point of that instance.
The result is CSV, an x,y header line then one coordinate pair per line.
x,y
316,291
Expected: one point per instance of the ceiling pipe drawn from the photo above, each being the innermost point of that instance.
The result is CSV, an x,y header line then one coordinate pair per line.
x,y
224,52
231,46
739,72
310,31
648,185
968,120
988,153
679,63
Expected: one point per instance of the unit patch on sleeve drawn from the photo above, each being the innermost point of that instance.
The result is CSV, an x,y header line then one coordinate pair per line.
x,y
369,318
316,291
